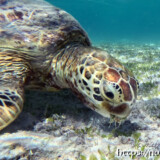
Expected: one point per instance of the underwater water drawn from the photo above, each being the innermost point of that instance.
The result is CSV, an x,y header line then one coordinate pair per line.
x,y
117,20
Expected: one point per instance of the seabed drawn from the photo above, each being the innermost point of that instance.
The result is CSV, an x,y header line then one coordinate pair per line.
x,y
57,126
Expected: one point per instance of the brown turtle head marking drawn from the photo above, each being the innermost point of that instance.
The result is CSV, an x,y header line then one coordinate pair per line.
x,y
106,86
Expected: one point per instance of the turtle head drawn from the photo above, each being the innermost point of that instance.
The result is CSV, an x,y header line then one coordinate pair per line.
x,y
104,84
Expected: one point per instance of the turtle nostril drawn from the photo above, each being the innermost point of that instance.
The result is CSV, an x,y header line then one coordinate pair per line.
x,y
109,95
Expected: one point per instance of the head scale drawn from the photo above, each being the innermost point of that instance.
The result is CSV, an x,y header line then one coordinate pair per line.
x,y
104,84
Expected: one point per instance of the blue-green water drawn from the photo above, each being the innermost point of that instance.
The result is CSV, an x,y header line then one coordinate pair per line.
x,y
107,20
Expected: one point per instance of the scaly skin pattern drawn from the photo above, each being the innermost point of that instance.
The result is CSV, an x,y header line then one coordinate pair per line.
x,y
44,47
31,32
98,79
13,72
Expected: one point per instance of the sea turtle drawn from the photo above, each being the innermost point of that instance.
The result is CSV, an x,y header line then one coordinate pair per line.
x,y
44,47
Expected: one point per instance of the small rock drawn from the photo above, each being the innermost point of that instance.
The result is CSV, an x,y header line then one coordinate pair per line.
x,y
57,133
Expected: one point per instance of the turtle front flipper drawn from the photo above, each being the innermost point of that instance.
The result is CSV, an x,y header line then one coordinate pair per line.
x,y
13,73
11,104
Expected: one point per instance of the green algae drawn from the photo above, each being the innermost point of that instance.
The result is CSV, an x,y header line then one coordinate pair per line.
x,y
109,136
102,155
93,157
82,157
136,137
112,153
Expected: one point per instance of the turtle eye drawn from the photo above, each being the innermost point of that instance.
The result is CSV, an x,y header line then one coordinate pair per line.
x,y
108,91
109,95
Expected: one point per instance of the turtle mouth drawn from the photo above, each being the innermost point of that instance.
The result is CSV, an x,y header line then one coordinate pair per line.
x,y
114,118
121,110
117,113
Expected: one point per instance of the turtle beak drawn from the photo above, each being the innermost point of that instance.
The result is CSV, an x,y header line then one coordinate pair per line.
x,y
119,111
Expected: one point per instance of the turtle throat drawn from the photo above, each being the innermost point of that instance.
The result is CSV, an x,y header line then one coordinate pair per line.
x,y
64,67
